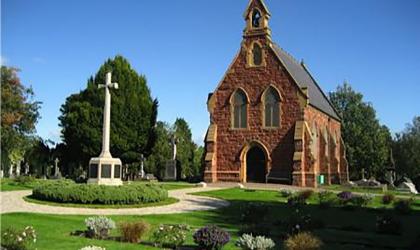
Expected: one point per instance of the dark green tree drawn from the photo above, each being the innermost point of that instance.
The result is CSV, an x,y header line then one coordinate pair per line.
x,y
406,150
19,115
161,151
367,142
133,116
185,149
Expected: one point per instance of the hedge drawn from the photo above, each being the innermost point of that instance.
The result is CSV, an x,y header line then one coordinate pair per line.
x,y
69,192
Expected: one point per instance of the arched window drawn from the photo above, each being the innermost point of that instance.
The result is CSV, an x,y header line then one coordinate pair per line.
x,y
257,54
239,103
271,108
256,19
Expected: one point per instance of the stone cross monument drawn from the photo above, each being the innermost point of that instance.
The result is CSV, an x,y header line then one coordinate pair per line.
x,y
104,169
57,173
170,168
142,159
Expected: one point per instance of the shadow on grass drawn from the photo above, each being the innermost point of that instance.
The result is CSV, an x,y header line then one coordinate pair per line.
x,y
342,227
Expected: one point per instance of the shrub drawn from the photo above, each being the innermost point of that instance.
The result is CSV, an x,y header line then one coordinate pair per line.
x,y
298,222
296,200
13,239
23,179
403,206
387,224
360,200
249,242
345,197
286,193
70,192
211,238
305,194
92,248
134,231
327,199
303,241
171,236
253,213
388,198
99,227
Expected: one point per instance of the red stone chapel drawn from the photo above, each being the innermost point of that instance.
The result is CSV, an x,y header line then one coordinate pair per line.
x,y
269,119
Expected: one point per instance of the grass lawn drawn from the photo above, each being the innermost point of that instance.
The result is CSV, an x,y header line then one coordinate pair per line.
x,y
368,190
11,185
343,229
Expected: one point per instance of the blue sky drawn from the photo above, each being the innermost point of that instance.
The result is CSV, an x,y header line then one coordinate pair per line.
x,y
185,46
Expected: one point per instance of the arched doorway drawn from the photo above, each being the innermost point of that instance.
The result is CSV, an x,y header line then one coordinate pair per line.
x,y
256,163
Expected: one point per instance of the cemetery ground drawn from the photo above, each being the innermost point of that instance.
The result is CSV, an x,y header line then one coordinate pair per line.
x,y
265,212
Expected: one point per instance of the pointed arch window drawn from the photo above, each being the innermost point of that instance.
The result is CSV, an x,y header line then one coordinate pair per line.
x,y
271,108
239,103
257,54
256,18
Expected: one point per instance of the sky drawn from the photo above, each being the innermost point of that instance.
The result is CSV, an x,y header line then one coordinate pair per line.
x,y
184,47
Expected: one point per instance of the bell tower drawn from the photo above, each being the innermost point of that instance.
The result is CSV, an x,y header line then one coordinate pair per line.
x,y
257,16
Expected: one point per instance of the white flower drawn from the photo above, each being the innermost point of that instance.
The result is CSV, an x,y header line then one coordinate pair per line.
x,y
19,239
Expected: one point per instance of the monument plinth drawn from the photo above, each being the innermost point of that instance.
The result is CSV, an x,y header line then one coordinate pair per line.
x,y
106,170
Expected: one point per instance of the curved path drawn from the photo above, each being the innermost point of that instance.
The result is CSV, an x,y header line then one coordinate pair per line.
x,y
12,202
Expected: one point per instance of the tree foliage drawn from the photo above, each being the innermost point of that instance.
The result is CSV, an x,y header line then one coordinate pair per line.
x,y
133,116
19,115
367,142
406,150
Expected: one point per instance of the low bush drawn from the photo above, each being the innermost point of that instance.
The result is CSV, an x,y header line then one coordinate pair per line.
x,y
133,232
327,199
305,194
249,242
253,213
345,197
296,200
298,222
388,199
403,206
303,241
360,200
170,236
14,239
99,227
24,179
388,224
211,238
70,192
285,193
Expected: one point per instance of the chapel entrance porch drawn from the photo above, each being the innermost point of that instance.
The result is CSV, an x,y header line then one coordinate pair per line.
x,y
254,163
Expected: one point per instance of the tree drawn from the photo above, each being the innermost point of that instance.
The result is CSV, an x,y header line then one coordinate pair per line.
x,y
367,142
19,115
185,149
133,116
406,150
161,151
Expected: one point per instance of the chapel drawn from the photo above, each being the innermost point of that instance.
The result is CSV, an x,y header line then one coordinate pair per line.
x,y
269,119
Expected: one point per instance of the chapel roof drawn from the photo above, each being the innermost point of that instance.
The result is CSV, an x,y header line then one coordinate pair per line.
x,y
303,78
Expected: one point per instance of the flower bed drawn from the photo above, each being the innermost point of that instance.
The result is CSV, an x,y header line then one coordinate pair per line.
x,y
68,192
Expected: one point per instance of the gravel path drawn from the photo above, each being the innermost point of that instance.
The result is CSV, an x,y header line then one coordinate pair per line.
x,y
12,202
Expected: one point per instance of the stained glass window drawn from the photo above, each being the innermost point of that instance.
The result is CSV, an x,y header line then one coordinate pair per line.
x,y
257,54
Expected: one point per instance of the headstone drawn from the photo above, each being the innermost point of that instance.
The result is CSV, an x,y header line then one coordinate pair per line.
x,y
201,184
241,186
57,173
150,177
408,186
142,159
170,170
1,173
11,171
26,168
18,168
363,172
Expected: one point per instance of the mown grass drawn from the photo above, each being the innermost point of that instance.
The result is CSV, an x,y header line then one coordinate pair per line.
x,y
368,190
344,229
